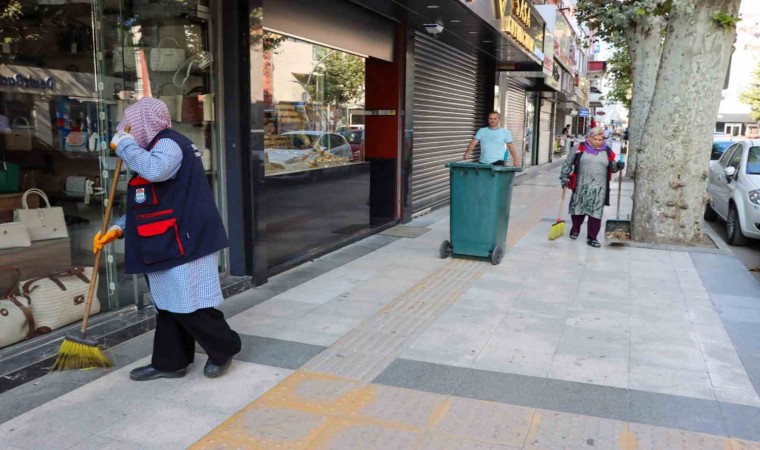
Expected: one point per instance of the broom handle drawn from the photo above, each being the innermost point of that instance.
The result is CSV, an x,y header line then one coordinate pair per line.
x,y
103,229
561,203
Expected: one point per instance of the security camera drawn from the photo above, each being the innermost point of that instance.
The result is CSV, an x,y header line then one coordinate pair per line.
x,y
433,29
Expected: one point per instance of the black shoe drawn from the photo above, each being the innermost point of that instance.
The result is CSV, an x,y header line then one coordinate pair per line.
x,y
574,234
146,373
212,370
594,243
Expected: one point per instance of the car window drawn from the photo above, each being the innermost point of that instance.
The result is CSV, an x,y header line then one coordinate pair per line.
x,y
723,161
299,141
753,161
718,149
353,137
336,140
324,142
736,158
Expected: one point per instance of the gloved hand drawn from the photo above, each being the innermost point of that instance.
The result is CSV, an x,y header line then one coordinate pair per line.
x,y
620,165
118,137
113,233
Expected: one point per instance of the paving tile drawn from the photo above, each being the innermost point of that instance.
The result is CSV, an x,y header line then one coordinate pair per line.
x,y
683,357
735,301
433,441
279,307
587,399
422,376
558,431
369,437
647,437
599,319
747,398
741,421
523,360
586,336
97,442
341,307
736,314
670,411
276,352
460,320
595,365
740,444
501,387
407,408
671,381
486,421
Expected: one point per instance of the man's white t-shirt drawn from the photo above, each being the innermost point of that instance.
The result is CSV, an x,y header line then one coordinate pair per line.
x,y
493,144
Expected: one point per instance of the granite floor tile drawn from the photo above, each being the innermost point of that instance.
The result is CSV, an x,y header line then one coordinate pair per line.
x,y
276,352
583,398
501,387
422,376
668,356
433,441
404,407
370,437
556,430
747,398
671,381
594,367
515,360
685,413
741,421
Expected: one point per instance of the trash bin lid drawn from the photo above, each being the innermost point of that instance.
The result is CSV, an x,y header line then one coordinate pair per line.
x,y
481,166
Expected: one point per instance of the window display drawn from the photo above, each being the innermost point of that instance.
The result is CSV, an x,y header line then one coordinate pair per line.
x,y
67,71
313,96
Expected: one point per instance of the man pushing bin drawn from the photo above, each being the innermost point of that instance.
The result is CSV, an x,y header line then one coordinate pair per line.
x,y
492,140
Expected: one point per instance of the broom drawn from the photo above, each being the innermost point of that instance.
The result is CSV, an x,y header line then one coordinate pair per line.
x,y
558,229
78,351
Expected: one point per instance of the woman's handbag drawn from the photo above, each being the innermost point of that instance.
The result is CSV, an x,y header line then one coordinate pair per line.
x,y
165,59
43,223
14,235
16,319
20,135
9,178
59,299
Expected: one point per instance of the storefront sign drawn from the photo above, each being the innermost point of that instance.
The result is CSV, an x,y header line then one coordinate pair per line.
x,y
23,82
583,112
564,44
519,22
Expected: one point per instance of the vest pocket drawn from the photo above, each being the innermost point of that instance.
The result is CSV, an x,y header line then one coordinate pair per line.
x,y
160,241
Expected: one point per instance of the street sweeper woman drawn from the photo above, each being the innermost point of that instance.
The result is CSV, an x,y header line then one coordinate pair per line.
x,y
173,233
588,174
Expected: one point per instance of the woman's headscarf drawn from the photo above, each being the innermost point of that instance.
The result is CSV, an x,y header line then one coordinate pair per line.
x,y
146,117
590,148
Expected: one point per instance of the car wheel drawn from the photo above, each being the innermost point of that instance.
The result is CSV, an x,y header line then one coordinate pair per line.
x,y
733,229
710,214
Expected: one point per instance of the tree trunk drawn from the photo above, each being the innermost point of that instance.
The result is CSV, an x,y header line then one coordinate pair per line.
x,y
645,44
670,186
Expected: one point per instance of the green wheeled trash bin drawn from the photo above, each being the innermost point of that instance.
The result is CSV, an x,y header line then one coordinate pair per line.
x,y
481,195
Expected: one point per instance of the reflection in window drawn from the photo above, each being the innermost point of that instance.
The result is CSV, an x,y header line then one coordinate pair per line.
x,y
314,104
753,161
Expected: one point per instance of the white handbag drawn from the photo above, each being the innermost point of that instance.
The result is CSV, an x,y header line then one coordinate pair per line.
x,y
42,223
14,235
165,59
59,299
16,319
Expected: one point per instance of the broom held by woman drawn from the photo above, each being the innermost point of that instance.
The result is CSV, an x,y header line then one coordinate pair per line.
x,y
173,233
588,173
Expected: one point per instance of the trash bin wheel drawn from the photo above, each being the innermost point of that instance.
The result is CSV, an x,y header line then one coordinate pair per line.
x,y
496,255
445,249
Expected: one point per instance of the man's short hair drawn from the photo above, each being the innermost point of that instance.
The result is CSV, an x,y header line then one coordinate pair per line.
x,y
495,112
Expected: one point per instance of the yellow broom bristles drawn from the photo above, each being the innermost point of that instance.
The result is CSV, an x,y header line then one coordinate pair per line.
x,y
557,230
77,355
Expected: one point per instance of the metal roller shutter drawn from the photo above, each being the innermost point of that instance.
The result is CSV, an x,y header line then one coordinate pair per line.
x,y
449,105
546,137
515,116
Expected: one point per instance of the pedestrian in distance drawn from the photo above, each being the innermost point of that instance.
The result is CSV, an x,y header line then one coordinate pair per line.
x,y
588,173
492,140
172,233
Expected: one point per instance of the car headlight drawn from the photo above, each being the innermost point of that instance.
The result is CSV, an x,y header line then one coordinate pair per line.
x,y
754,197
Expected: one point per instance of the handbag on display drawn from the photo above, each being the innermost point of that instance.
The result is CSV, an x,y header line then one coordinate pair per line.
x,y
9,178
125,58
43,223
166,59
174,104
191,108
14,235
16,319
58,299
20,135
76,141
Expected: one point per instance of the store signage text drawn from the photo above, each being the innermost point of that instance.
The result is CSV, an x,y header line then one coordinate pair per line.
x,y
23,82
517,23
514,29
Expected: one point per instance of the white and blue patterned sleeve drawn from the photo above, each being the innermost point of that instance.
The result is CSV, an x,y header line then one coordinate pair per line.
x,y
159,164
121,222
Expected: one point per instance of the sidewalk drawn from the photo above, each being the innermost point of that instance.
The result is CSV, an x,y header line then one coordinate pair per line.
x,y
560,346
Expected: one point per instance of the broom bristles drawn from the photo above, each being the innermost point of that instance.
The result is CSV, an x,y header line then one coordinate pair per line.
x,y
557,230
76,354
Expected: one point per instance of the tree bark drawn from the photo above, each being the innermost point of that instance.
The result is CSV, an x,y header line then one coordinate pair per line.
x,y
645,44
670,185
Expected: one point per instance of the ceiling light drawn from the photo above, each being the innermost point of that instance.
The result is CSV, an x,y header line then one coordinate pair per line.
x,y
433,6
487,42
454,20
472,32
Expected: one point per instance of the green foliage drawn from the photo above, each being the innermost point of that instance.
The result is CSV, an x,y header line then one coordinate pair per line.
x,y
610,20
620,76
343,76
726,21
12,29
751,95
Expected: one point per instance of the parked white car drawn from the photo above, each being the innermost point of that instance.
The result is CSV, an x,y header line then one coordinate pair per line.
x,y
305,142
734,188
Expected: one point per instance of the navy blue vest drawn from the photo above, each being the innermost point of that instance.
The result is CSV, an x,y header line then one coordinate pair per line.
x,y
175,221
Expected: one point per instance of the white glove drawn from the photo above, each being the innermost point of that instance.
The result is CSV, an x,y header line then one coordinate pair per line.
x,y
118,137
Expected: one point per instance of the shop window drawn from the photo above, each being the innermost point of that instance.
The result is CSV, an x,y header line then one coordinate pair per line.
x,y
314,99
